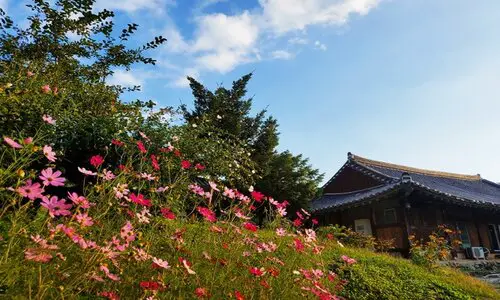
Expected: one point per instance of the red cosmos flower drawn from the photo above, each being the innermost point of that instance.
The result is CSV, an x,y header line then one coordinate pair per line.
x,y
273,272
299,246
154,162
201,293
207,213
199,166
141,147
117,142
257,196
151,285
185,164
122,167
109,295
238,295
167,213
297,222
96,160
265,284
250,226
139,199
256,272
177,153
330,236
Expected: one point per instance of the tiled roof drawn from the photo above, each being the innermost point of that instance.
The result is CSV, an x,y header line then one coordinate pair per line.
x,y
332,201
468,189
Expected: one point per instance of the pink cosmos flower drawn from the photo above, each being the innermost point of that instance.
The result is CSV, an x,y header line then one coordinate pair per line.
x,y
56,207
38,255
30,74
162,189
280,232
31,190
139,199
256,272
141,147
48,119
79,200
28,140
207,213
187,265
160,263
96,160
143,216
84,219
86,172
127,232
46,89
52,178
315,221
213,186
109,274
108,175
12,143
47,151
348,260
147,176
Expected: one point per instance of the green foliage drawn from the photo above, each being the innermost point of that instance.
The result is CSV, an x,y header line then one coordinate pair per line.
x,y
290,177
380,276
280,175
438,247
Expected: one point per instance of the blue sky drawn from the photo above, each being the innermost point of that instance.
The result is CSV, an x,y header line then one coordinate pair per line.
x,y
406,81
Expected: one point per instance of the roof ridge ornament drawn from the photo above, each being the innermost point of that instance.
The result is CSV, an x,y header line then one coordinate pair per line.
x,y
406,177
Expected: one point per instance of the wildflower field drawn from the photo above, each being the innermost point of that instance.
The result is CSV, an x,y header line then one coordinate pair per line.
x,y
102,198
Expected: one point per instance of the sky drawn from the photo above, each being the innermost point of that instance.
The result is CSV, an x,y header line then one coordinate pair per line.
x,y
413,82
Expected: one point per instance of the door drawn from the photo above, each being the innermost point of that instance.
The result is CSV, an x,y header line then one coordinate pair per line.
x,y
494,234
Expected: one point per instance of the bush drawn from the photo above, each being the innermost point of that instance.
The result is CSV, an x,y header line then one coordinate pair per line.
x,y
438,247
347,236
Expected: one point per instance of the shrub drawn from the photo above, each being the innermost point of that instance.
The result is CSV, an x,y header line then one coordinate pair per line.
x,y
438,247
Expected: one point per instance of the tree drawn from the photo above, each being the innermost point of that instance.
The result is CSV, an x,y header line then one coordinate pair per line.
x,y
45,72
281,175
290,177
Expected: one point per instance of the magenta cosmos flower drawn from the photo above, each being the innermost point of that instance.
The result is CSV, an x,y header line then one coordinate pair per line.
x,y
31,190
12,143
52,178
96,160
56,207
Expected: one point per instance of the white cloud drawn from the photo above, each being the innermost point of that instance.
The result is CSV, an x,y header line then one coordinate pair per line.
x,y
298,41
320,46
221,42
124,78
130,6
182,80
282,54
288,15
175,41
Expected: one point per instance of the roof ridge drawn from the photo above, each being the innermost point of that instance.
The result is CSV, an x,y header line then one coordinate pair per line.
x,y
365,190
376,163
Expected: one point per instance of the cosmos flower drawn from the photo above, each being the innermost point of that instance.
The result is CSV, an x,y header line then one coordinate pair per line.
x,y
52,178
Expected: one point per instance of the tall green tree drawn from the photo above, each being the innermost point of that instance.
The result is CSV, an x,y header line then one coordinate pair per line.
x,y
280,175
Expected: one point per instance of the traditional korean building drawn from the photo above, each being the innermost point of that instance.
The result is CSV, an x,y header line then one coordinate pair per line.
x,y
392,201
